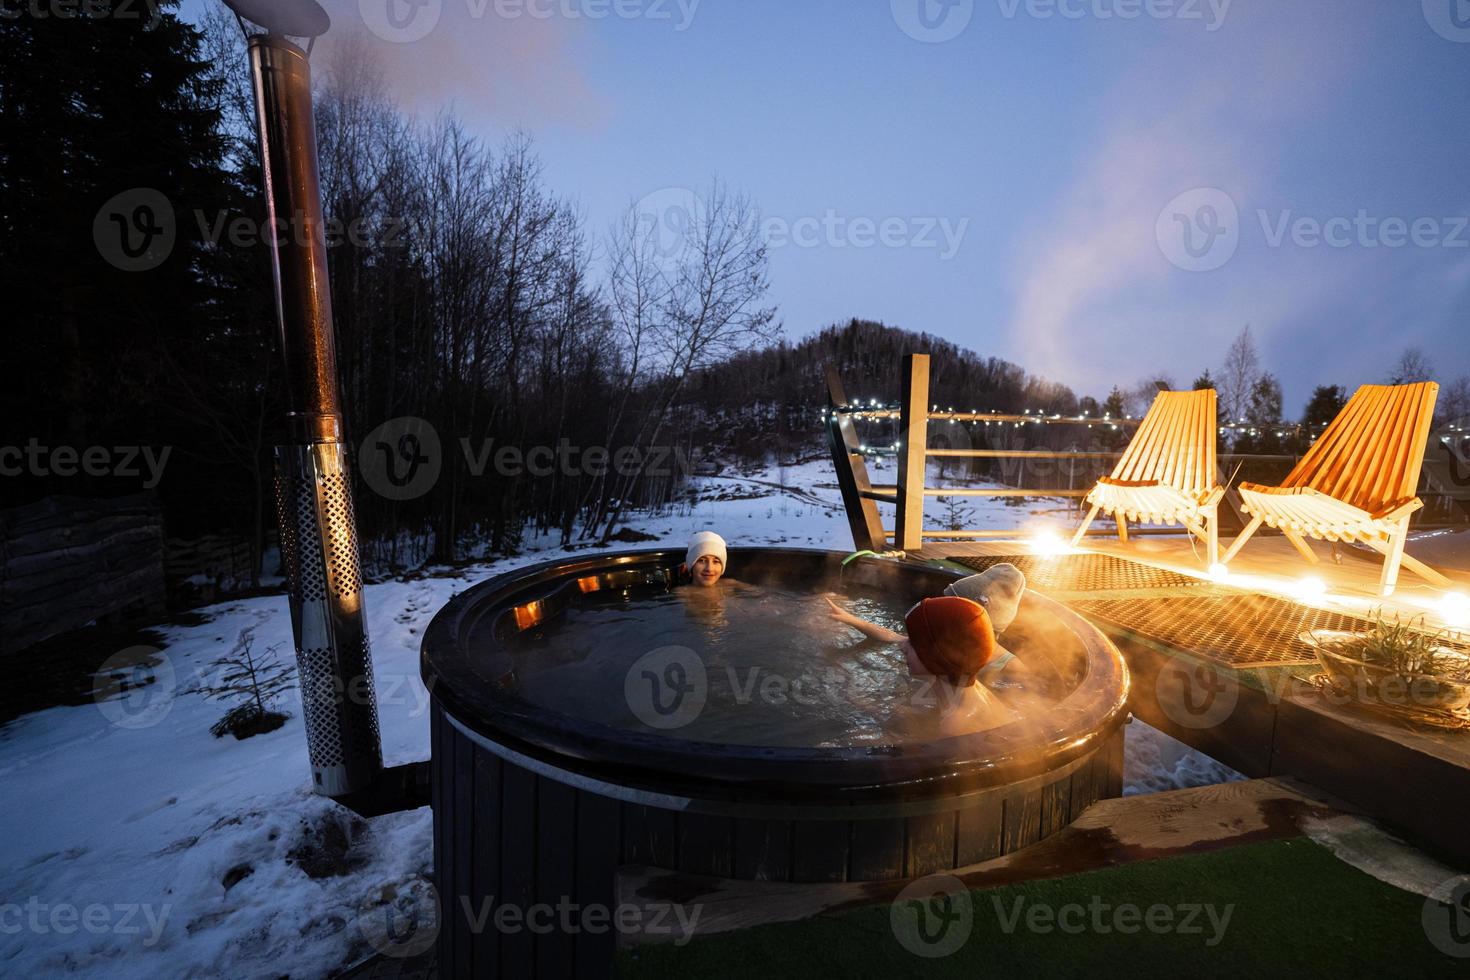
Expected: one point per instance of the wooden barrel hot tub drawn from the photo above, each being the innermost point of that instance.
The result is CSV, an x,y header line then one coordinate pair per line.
x,y
535,808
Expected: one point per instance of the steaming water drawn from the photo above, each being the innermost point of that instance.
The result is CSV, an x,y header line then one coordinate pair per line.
x,y
736,664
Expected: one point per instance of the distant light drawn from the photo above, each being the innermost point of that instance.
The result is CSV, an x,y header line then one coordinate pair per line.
x,y
1048,544
1310,587
1454,607
1219,571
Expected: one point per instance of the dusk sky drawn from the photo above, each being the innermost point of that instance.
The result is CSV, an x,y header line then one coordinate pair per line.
x,y
1017,176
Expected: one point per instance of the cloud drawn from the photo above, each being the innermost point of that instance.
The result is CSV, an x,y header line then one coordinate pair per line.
x,y
494,62
1096,300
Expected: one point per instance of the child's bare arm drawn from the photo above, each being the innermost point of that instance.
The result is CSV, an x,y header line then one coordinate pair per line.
x,y
872,630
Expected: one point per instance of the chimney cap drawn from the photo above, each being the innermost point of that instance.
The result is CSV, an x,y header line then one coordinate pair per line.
x,y
297,18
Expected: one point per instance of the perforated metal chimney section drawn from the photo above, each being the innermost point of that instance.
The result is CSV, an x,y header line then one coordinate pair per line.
x,y
313,473
319,553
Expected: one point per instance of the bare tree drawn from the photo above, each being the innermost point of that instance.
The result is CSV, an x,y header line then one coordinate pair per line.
x,y
1412,366
1242,368
1454,402
638,291
1140,397
716,282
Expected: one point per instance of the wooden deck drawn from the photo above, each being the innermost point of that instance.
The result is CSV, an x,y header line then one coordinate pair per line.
x,y
1269,720
1268,565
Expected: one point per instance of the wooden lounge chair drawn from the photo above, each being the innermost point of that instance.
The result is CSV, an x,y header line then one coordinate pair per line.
x,y
1167,474
1358,482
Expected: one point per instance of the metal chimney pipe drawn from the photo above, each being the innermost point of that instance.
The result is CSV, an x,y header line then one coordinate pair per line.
x,y
318,527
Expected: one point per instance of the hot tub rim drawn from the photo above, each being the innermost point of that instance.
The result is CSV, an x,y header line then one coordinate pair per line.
x,y
664,764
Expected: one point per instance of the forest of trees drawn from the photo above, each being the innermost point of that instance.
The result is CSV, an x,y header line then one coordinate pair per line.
x,y
467,293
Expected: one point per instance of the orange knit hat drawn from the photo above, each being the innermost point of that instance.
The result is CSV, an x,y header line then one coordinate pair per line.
x,y
952,637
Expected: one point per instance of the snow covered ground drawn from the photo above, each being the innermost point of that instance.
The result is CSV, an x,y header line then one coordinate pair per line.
x,y
135,844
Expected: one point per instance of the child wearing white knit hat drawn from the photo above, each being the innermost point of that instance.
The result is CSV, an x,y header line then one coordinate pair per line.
x,y
704,562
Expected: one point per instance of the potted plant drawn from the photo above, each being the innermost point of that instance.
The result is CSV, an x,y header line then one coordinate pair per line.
x,y
1397,666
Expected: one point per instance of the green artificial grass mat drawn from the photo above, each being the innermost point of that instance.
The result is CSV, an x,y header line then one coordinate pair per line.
x,y
1294,910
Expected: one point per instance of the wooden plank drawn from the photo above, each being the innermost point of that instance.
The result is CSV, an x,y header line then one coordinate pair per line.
x,y
1000,492
1022,820
485,878
1056,805
913,446
763,850
598,833
706,844
929,847
819,850
979,829
1021,454
650,836
1114,785
877,850
517,868
556,877
852,472
635,847
461,856
1368,760
438,776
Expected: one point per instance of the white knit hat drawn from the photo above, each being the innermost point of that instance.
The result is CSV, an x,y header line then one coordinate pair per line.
x,y
705,543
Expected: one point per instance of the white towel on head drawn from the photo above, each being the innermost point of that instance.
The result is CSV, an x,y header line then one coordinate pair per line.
x,y
999,589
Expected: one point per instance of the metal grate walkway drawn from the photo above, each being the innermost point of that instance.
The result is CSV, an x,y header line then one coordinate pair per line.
x,y
1233,627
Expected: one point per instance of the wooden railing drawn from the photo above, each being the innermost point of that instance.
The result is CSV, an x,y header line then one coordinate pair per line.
x,y
861,496
914,414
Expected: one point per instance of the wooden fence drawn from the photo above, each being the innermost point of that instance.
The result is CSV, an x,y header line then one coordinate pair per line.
x,y
66,561
860,496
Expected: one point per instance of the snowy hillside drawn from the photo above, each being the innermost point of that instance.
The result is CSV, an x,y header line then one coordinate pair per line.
x,y
148,848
